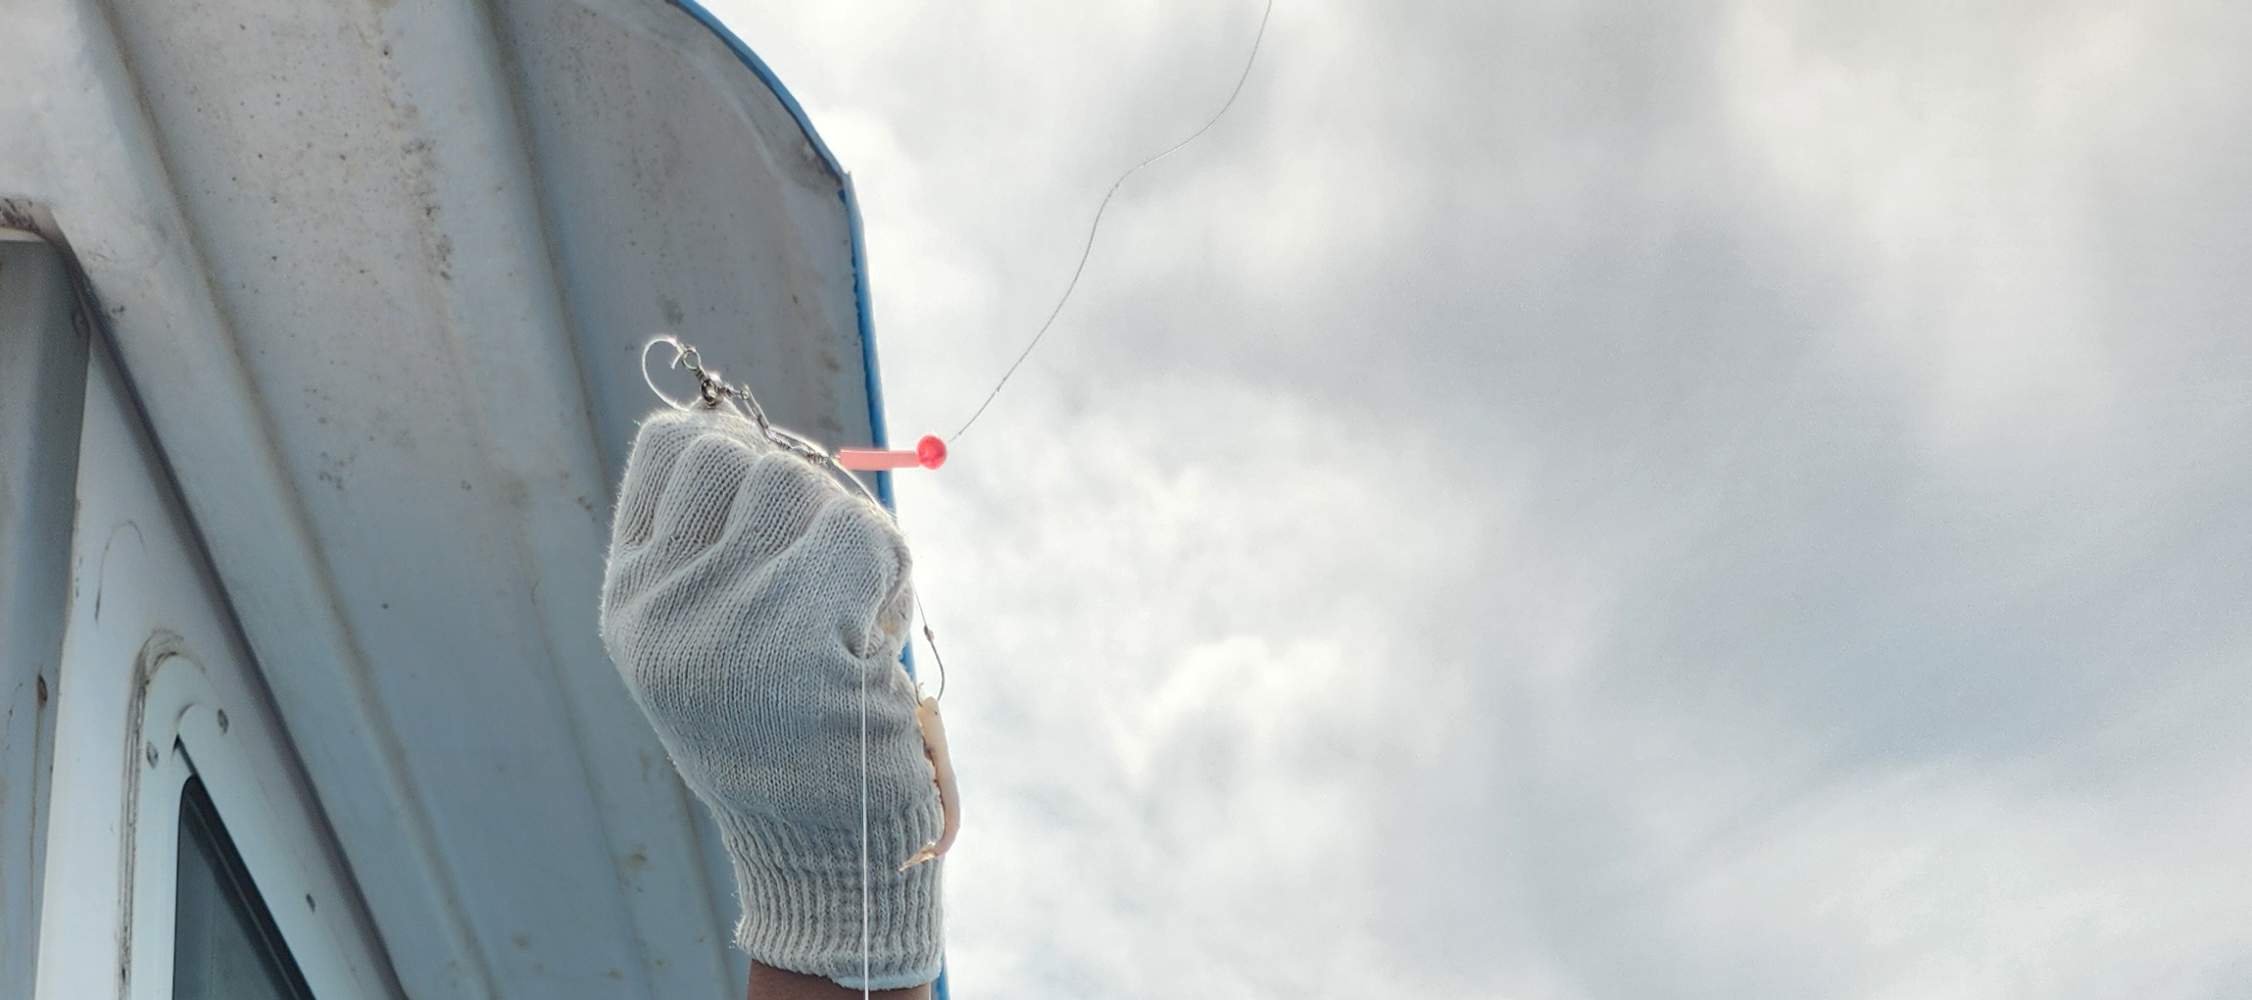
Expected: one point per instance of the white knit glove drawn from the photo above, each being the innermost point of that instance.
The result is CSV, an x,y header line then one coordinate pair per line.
x,y
748,597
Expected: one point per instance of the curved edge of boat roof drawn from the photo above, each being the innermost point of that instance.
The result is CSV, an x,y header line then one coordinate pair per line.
x,y
373,279
880,435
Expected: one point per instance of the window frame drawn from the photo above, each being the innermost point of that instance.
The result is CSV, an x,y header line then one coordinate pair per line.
x,y
154,683
180,734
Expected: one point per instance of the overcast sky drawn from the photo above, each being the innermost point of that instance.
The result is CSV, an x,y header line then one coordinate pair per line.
x,y
1554,500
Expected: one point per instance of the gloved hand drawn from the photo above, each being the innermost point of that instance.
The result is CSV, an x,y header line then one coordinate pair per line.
x,y
748,597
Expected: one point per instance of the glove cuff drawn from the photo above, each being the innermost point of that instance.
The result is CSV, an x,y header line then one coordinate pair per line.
x,y
802,899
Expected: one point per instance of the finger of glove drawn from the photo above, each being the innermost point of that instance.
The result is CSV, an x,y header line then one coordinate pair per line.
x,y
777,503
866,580
779,496
796,527
693,508
656,449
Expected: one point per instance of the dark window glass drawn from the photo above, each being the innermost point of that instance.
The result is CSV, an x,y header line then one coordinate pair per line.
x,y
224,943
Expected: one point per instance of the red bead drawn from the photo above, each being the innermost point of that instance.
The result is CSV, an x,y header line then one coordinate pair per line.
x,y
930,451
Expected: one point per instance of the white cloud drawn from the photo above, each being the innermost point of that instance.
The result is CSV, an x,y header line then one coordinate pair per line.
x,y
1551,502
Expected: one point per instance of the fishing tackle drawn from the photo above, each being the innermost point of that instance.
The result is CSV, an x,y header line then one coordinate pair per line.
x,y
930,453
942,766
714,391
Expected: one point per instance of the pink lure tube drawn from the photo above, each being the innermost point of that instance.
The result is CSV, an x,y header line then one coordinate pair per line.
x,y
929,453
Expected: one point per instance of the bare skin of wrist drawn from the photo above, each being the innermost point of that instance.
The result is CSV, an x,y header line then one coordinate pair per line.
x,y
769,983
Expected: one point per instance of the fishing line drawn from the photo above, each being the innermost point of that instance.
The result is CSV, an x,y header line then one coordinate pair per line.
x,y
867,890
714,391
1088,250
931,639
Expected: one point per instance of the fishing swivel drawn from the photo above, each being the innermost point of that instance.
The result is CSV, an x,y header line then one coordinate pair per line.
x,y
712,391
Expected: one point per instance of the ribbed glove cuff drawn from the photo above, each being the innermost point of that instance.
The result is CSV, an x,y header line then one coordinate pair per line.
x,y
802,900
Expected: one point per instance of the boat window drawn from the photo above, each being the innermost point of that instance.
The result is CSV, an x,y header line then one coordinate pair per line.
x,y
225,945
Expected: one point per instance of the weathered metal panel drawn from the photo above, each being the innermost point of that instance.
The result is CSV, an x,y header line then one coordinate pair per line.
x,y
376,272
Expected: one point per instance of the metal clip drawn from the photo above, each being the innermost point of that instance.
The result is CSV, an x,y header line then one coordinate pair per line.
x,y
712,390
